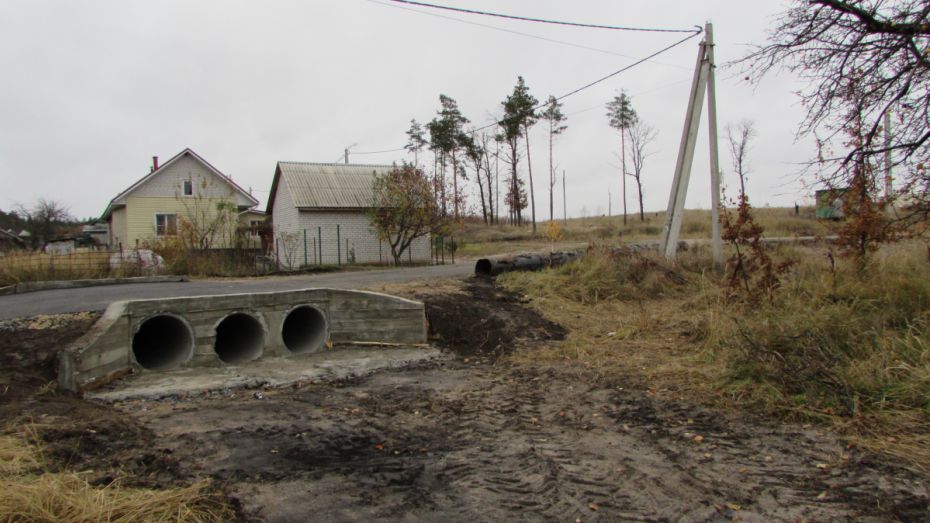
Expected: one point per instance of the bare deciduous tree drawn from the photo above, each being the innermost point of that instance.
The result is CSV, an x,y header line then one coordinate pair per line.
x,y
45,219
641,137
860,59
739,137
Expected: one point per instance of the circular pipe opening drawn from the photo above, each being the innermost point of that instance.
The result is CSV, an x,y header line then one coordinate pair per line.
x,y
483,267
162,342
239,337
304,329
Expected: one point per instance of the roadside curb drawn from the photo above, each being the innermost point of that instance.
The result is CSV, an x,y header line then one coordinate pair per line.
x,y
21,288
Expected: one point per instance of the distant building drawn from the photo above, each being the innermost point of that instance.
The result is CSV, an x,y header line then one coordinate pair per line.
x,y
254,222
186,188
9,241
830,203
98,233
319,215
61,246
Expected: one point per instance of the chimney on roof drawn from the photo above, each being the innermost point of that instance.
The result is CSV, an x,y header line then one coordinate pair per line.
x,y
154,163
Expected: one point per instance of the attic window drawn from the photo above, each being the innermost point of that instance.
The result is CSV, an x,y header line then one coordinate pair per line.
x,y
188,188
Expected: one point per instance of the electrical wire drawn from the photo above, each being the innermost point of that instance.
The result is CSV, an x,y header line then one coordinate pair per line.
x,y
604,78
696,30
634,95
518,33
582,88
693,33
379,152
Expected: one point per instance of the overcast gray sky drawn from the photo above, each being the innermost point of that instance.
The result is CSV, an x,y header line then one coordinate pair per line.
x,y
91,90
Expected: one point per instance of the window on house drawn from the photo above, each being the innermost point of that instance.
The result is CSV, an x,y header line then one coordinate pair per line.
x,y
188,188
166,224
254,225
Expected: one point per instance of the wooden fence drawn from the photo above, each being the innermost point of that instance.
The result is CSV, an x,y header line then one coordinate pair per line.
x,y
18,267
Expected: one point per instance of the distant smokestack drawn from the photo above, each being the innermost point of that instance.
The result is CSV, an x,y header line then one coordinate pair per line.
x,y
154,163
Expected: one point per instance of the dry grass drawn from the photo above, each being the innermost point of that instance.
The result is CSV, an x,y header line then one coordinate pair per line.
x,y
623,319
476,239
32,494
844,347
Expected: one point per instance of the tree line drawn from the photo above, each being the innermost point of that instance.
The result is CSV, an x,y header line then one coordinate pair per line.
x,y
463,154
412,201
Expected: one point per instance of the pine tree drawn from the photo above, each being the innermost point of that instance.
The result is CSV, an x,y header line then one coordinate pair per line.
x,y
554,117
621,116
519,116
415,141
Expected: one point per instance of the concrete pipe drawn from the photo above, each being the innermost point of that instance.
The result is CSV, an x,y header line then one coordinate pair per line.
x,y
162,342
304,330
240,337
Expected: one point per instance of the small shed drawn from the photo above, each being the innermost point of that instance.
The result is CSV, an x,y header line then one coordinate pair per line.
x,y
319,212
61,246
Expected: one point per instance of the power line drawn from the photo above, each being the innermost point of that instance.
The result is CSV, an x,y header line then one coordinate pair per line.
x,y
605,78
634,95
379,152
518,33
582,88
696,30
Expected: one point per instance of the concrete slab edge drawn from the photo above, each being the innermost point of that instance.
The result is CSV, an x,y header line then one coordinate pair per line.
x,y
34,286
319,373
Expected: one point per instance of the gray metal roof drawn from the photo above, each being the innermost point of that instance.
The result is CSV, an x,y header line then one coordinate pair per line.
x,y
330,185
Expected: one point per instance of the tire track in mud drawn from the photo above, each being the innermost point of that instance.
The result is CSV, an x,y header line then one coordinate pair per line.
x,y
478,442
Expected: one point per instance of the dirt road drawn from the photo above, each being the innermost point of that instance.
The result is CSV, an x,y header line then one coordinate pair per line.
x,y
464,442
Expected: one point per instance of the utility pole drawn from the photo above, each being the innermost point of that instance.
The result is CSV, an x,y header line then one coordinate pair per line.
x,y
564,201
702,82
609,203
716,238
345,155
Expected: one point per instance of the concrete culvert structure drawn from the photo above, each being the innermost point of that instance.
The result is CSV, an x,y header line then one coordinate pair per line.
x,y
162,342
304,329
240,337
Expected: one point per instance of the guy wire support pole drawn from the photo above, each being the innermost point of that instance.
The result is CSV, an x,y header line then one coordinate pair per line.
x,y
716,239
703,75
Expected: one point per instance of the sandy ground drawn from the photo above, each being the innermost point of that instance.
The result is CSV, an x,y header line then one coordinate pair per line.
x,y
465,438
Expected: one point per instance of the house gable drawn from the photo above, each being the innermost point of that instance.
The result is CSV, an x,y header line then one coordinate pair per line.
x,y
168,181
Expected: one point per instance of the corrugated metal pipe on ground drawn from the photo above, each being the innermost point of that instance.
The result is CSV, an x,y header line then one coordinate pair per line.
x,y
537,260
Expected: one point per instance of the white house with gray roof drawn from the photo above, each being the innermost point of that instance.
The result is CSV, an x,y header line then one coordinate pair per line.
x,y
319,215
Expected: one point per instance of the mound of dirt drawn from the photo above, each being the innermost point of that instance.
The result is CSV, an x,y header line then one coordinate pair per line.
x,y
29,346
486,321
75,434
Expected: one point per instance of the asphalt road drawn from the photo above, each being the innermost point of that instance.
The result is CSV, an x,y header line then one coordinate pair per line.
x,y
97,298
